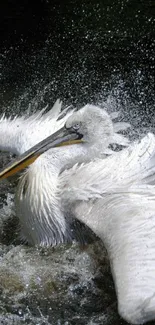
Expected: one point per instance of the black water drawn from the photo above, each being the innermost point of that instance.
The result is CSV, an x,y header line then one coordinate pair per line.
x,y
80,51
84,48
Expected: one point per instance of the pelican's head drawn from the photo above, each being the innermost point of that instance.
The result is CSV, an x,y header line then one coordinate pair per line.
x,y
90,125
93,123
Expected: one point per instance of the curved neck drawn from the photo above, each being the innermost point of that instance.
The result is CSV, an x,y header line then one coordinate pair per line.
x,y
38,203
38,200
67,156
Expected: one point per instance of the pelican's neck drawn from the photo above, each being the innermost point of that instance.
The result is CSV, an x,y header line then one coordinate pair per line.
x,y
38,202
38,199
66,156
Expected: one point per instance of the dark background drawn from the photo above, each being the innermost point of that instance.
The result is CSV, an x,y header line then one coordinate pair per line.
x,y
82,50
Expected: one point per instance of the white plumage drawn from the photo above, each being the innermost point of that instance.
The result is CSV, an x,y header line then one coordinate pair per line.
x,y
20,133
115,197
37,199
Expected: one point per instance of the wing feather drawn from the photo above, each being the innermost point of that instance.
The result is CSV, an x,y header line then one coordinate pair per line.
x,y
132,167
18,134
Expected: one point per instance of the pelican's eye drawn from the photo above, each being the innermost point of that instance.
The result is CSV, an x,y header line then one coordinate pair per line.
x,y
73,127
76,126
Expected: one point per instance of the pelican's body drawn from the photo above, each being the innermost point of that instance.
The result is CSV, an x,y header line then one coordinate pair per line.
x,y
115,197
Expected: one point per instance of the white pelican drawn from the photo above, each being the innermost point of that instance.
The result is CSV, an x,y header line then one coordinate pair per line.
x,y
21,133
115,197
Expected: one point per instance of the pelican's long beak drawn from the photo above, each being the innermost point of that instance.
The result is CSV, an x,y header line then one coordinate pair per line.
x,y
60,138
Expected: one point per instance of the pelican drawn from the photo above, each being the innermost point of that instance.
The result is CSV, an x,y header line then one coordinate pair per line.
x,y
115,197
21,133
